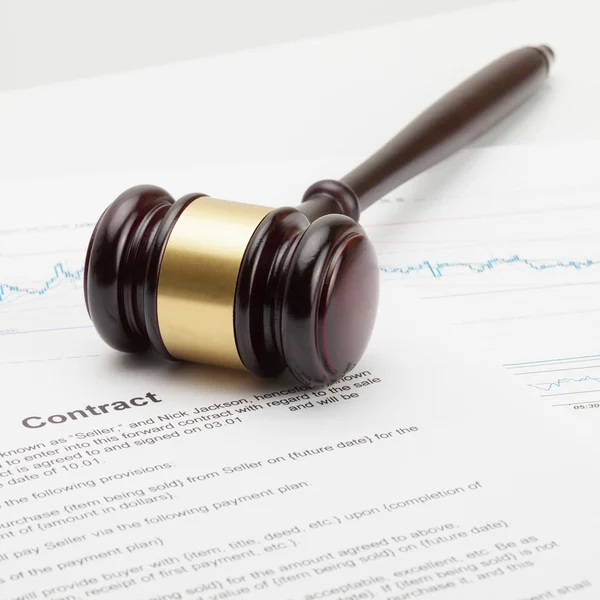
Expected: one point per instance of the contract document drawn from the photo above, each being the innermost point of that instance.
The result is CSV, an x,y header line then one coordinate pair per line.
x,y
445,465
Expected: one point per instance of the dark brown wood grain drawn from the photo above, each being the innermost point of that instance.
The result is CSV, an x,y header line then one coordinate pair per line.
x,y
308,284
306,297
115,273
455,120
122,266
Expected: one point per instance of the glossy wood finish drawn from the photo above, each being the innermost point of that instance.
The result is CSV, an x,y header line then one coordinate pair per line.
x,y
122,266
299,286
307,290
115,273
455,120
306,297
260,289
328,197
330,300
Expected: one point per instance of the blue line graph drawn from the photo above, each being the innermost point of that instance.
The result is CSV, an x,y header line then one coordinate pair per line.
x,y
436,269
548,386
439,269
59,273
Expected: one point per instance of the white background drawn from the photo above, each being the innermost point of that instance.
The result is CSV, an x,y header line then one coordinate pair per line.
x,y
43,41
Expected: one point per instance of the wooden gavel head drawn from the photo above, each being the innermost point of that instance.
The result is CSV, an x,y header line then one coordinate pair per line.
x,y
236,285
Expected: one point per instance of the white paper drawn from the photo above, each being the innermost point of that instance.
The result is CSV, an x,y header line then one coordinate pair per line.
x,y
430,471
504,243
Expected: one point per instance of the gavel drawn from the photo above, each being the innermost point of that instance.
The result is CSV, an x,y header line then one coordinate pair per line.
x,y
243,286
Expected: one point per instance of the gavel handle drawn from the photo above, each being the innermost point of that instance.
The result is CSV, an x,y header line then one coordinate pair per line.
x,y
456,119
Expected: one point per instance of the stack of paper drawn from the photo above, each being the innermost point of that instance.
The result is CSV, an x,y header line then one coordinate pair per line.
x,y
456,461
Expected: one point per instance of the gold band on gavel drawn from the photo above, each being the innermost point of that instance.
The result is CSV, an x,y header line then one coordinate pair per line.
x,y
197,280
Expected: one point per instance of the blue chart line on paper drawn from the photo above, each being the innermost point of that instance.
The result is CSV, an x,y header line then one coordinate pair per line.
x,y
563,382
58,273
437,270
569,380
